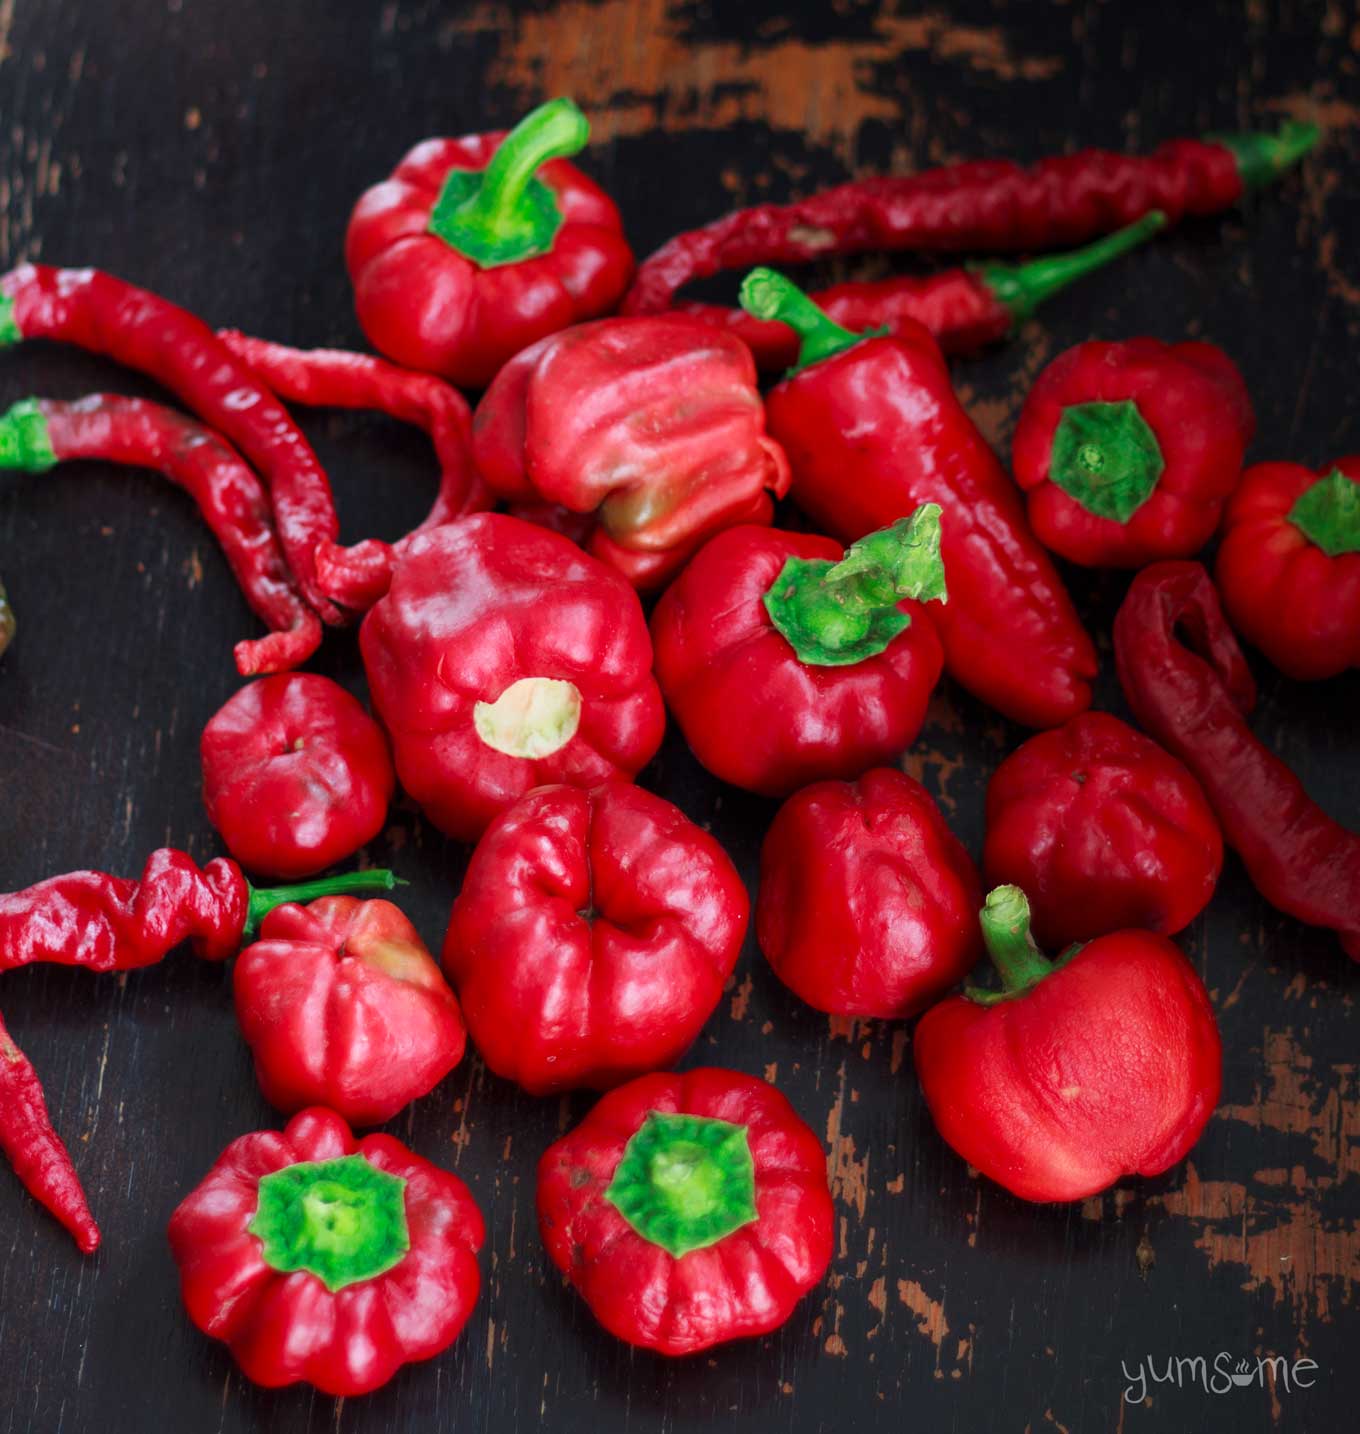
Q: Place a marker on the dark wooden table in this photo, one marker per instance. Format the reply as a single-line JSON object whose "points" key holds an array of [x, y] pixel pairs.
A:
{"points": [[211, 150]]}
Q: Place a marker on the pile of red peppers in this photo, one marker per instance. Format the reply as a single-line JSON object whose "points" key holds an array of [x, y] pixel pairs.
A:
{"points": [[624, 453]]}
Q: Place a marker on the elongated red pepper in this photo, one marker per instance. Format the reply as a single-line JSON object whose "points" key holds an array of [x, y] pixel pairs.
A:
{"points": [[1188, 684], [38, 433], [965, 309], [357, 576], [983, 205], [477, 247], [145, 332], [1289, 565], [872, 430]]}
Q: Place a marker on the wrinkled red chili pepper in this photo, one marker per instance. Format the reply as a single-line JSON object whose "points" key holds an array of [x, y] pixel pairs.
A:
{"points": [[143, 331], [1187, 682], [982, 205], [38, 433], [358, 575]]}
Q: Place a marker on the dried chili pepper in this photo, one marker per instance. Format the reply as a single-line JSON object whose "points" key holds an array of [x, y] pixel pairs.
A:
{"points": [[966, 309], [143, 331], [38, 433], [8, 626], [1187, 682], [982, 205], [357, 576]]}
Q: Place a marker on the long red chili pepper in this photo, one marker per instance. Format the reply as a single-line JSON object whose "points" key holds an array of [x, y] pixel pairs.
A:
{"points": [[983, 205], [1187, 682], [358, 576], [143, 331], [36, 434], [35, 1150]]}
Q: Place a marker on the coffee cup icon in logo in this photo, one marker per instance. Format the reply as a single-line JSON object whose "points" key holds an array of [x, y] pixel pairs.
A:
{"points": [[1243, 1374]]}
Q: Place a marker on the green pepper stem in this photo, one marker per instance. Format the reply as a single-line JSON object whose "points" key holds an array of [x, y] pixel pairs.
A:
{"points": [[1262, 158], [766, 294], [261, 901], [10, 332], [552, 131], [1005, 930], [1021, 288], [1328, 514], [25, 439]]}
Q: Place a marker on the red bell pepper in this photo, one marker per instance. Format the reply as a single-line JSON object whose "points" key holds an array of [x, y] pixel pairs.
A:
{"points": [[655, 425], [688, 1210], [317, 1258], [501, 658], [872, 429], [1129, 450], [342, 1005], [478, 247], [1103, 830], [1289, 565], [868, 902], [592, 936], [785, 660], [296, 775], [1077, 1072]]}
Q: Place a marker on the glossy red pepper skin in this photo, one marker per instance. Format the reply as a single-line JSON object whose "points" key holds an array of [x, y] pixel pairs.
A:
{"points": [[288, 1327], [744, 1284], [753, 713], [1103, 831], [1192, 399], [655, 424], [296, 775], [1188, 684], [868, 902], [1299, 604], [477, 606], [342, 1006], [592, 936]]}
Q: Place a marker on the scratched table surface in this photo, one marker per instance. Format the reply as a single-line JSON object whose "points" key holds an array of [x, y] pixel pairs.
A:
{"points": [[212, 150]]}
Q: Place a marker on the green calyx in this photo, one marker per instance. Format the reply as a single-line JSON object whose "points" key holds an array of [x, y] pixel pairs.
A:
{"points": [[1021, 288], [766, 294], [837, 614], [261, 901], [1005, 930], [341, 1220], [1328, 514], [1106, 457], [10, 332], [685, 1181], [25, 441], [503, 214], [1262, 158]]}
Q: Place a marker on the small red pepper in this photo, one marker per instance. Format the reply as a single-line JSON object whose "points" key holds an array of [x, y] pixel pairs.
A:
{"points": [[324, 1260], [477, 247], [786, 660], [342, 1005], [655, 424], [592, 936], [688, 1210], [38, 433], [872, 429], [1077, 1072], [1187, 682], [1289, 565], [1128, 451], [501, 658], [868, 902], [296, 775], [1103, 830]]}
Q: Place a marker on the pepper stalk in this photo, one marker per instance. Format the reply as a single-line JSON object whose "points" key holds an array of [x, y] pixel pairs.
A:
{"points": [[1005, 921], [260, 901]]}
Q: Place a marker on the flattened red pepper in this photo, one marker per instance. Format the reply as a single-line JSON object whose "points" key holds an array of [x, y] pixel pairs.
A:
{"points": [[1289, 565], [1103, 830], [317, 1258], [654, 424], [477, 247], [688, 1210], [868, 902], [592, 936], [1128, 451], [1077, 1072], [872, 429], [786, 660], [501, 658]]}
